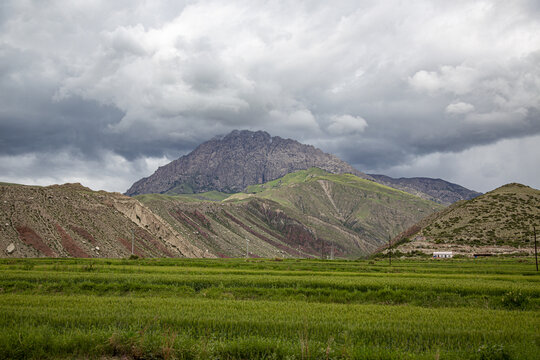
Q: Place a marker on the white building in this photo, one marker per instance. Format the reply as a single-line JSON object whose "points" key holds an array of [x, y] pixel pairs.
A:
{"points": [[442, 254]]}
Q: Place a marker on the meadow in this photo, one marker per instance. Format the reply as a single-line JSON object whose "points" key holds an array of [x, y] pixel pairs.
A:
{"points": [[269, 309]]}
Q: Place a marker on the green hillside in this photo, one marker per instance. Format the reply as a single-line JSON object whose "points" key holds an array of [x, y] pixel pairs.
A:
{"points": [[499, 221], [364, 206], [306, 213], [206, 196]]}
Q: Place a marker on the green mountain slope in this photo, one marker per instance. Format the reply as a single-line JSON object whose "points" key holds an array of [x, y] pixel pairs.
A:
{"points": [[497, 222], [306, 213]]}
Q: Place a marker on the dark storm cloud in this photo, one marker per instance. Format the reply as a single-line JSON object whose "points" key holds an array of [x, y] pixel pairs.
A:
{"points": [[382, 84], [33, 119]]}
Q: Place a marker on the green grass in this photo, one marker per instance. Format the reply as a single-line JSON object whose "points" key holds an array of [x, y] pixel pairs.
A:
{"points": [[269, 309], [314, 174], [296, 177], [292, 188], [206, 196], [6, 184]]}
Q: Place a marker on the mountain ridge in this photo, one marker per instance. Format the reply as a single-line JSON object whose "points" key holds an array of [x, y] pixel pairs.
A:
{"points": [[437, 190]]}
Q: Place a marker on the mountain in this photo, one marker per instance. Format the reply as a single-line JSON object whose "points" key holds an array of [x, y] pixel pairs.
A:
{"points": [[436, 190], [233, 162], [304, 213], [500, 221], [242, 158], [73, 221]]}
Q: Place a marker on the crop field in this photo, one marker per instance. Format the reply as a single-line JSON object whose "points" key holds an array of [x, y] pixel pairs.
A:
{"points": [[269, 309]]}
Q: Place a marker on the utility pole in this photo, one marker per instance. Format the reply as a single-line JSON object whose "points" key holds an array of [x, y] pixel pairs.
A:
{"points": [[315, 238], [132, 240], [332, 252], [247, 248], [535, 248], [390, 250]]}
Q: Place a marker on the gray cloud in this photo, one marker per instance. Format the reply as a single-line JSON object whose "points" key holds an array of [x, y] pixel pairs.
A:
{"points": [[483, 168], [383, 85]]}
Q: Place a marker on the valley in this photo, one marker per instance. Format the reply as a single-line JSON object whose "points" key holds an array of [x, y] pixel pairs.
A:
{"points": [[294, 267], [269, 180]]}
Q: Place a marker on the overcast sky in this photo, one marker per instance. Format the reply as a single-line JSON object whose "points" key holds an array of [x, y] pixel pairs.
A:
{"points": [[104, 92]]}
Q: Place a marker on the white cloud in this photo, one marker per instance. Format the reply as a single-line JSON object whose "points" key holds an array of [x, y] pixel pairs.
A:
{"points": [[459, 108], [458, 80], [347, 125], [426, 80], [127, 40], [497, 117]]}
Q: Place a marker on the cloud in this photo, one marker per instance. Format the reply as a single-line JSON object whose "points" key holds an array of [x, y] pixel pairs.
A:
{"points": [[482, 168], [109, 171], [140, 79], [458, 80], [459, 108], [347, 125], [127, 40]]}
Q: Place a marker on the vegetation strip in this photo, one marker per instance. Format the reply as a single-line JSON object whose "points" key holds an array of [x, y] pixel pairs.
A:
{"points": [[265, 309]]}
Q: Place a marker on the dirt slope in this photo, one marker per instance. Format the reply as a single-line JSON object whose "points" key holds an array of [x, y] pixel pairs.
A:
{"points": [[73, 221]]}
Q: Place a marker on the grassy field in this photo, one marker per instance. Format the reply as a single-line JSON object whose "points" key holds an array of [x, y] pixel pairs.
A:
{"points": [[269, 309]]}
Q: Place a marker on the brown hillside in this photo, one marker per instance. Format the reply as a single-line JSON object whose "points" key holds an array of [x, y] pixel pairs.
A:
{"points": [[73, 221], [500, 221]]}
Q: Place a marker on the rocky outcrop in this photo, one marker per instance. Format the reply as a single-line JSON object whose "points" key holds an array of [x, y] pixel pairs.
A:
{"points": [[239, 159], [146, 219], [10, 249], [436, 190]]}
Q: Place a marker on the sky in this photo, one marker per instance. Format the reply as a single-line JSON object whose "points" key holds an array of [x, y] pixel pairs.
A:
{"points": [[104, 92]]}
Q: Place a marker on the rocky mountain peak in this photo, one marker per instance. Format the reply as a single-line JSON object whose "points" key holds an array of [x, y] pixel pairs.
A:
{"points": [[241, 158], [243, 134]]}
